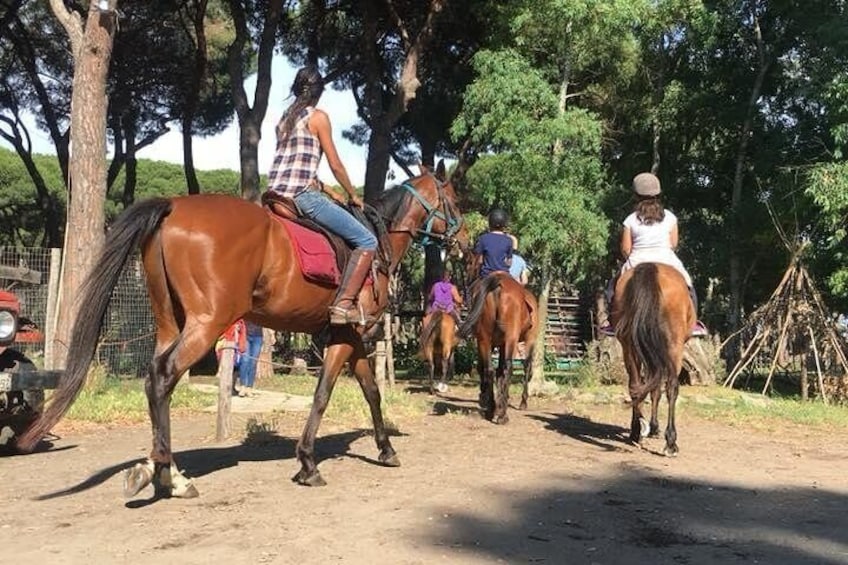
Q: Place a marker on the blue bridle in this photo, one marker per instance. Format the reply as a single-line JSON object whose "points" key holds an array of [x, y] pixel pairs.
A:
{"points": [[452, 222]]}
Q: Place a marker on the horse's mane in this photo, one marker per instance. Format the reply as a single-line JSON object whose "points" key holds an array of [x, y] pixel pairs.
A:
{"points": [[393, 203]]}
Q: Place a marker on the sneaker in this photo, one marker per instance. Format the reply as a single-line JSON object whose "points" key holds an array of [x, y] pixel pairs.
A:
{"points": [[607, 329], [699, 329]]}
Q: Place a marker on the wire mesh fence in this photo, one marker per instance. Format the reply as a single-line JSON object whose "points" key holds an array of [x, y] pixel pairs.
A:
{"points": [[126, 341]]}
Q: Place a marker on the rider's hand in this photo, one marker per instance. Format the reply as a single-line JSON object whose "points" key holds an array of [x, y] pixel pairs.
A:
{"points": [[337, 197], [355, 201]]}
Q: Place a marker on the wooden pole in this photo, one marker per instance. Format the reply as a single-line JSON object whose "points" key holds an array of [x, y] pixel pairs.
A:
{"points": [[390, 349], [805, 383], [777, 351], [53, 280], [225, 391], [380, 366], [818, 365]]}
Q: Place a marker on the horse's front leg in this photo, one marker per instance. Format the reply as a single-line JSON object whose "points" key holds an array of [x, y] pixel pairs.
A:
{"points": [[362, 370], [527, 366], [337, 353]]}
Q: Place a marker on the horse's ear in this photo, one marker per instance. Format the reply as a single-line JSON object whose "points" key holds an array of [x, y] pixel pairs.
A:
{"points": [[440, 171]]}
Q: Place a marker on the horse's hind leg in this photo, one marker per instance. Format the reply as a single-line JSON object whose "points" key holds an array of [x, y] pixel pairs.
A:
{"points": [[671, 388], [638, 425], [503, 378], [362, 369], [654, 430], [527, 366], [165, 372]]}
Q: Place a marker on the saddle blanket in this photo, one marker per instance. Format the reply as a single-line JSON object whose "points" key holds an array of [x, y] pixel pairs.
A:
{"points": [[315, 255]]}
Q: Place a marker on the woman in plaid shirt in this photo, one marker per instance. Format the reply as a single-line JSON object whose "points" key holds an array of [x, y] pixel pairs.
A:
{"points": [[303, 135]]}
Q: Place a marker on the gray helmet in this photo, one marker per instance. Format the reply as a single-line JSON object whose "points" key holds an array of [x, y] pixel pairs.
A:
{"points": [[646, 184], [498, 219]]}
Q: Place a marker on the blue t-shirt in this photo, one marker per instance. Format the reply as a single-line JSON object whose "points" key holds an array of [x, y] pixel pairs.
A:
{"points": [[518, 265], [496, 249]]}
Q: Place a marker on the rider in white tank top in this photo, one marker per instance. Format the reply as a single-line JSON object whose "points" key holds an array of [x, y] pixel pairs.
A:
{"points": [[651, 243]]}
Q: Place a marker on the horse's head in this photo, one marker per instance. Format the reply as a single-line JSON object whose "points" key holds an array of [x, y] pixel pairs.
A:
{"points": [[431, 213]]}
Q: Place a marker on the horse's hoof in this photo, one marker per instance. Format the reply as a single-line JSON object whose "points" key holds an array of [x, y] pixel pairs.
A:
{"points": [[501, 420], [188, 491], [309, 479], [670, 451], [136, 478], [636, 443], [390, 460]]}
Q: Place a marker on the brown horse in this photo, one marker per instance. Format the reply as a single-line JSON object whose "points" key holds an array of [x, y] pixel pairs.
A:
{"points": [[438, 339], [652, 316], [211, 259], [502, 314]]}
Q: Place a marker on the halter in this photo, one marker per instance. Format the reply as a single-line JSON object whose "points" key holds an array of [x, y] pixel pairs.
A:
{"points": [[452, 223]]}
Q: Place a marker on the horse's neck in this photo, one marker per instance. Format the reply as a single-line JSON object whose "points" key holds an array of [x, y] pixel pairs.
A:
{"points": [[400, 242]]}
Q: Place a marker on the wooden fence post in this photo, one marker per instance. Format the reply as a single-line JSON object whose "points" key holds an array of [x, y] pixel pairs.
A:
{"points": [[225, 390], [52, 305]]}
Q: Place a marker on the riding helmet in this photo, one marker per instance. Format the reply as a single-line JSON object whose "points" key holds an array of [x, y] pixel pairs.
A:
{"points": [[646, 184], [498, 219]]}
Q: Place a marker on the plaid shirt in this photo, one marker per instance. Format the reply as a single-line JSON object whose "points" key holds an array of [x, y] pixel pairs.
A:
{"points": [[297, 158]]}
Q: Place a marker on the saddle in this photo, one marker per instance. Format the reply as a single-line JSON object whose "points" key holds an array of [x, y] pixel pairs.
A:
{"points": [[322, 255]]}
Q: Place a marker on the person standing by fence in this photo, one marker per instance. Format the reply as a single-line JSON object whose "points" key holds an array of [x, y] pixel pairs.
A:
{"points": [[247, 371]]}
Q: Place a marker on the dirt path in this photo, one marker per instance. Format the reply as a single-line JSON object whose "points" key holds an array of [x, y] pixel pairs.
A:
{"points": [[553, 486]]}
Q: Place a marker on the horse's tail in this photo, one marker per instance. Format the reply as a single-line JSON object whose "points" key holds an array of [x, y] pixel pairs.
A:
{"points": [[486, 286], [643, 324], [132, 228], [428, 330]]}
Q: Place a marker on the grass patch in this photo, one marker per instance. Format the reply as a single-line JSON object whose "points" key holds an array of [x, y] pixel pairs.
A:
{"points": [[738, 408], [111, 399]]}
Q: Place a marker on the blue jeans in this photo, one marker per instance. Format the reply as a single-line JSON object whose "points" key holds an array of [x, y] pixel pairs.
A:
{"points": [[247, 367], [330, 215]]}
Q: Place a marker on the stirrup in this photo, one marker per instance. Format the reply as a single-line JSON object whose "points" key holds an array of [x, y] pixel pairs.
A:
{"points": [[340, 316]]}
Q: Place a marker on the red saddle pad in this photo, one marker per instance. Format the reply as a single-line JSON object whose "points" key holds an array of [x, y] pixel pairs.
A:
{"points": [[315, 256]]}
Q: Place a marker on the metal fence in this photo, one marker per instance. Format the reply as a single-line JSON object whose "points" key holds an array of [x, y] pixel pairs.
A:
{"points": [[126, 343]]}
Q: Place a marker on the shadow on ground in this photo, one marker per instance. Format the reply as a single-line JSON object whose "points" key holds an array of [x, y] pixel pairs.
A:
{"points": [[203, 461], [641, 517]]}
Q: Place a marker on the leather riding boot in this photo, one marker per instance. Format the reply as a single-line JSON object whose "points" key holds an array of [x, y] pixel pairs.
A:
{"points": [[344, 311]]}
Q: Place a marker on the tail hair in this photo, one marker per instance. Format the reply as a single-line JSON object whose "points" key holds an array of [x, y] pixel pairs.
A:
{"points": [[486, 286], [642, 323], [134, 226]]}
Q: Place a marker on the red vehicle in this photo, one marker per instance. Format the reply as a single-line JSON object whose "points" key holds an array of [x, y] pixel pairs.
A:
{"points": [[22, 385]]}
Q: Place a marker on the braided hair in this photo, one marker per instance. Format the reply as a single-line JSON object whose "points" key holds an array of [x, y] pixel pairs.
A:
{"points": [[307, 87]]}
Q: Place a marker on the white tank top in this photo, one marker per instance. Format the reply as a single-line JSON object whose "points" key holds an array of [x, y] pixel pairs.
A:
{"points": [[654, 236]]}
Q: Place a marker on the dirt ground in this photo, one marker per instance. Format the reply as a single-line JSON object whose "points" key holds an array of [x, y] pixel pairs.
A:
{"points": [[559, 484]]}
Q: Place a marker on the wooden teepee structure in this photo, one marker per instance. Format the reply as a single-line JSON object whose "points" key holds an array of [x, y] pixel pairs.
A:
{"points": [[794, 321]]}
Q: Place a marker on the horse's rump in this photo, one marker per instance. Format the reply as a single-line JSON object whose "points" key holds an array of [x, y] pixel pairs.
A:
{"points": [[653, 315]]}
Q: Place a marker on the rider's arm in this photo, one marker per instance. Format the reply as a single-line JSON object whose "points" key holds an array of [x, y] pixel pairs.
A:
{"points": [[457, 299], [626, 242], [674, 236], [319, 124]]}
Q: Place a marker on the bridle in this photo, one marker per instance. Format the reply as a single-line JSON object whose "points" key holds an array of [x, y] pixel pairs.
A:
{"points": [[444, 210]]}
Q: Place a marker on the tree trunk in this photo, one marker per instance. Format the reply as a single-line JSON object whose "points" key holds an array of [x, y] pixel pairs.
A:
{"points": [[131, 167], [538, 384], [84, 236], [736, 277], [250, 119], [188, 157]]}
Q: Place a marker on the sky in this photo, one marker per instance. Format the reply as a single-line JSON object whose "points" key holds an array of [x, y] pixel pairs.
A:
{"points": [[222, 151]]}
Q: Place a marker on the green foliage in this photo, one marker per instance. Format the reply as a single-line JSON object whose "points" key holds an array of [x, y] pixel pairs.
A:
{"points": [[541, 164]]}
